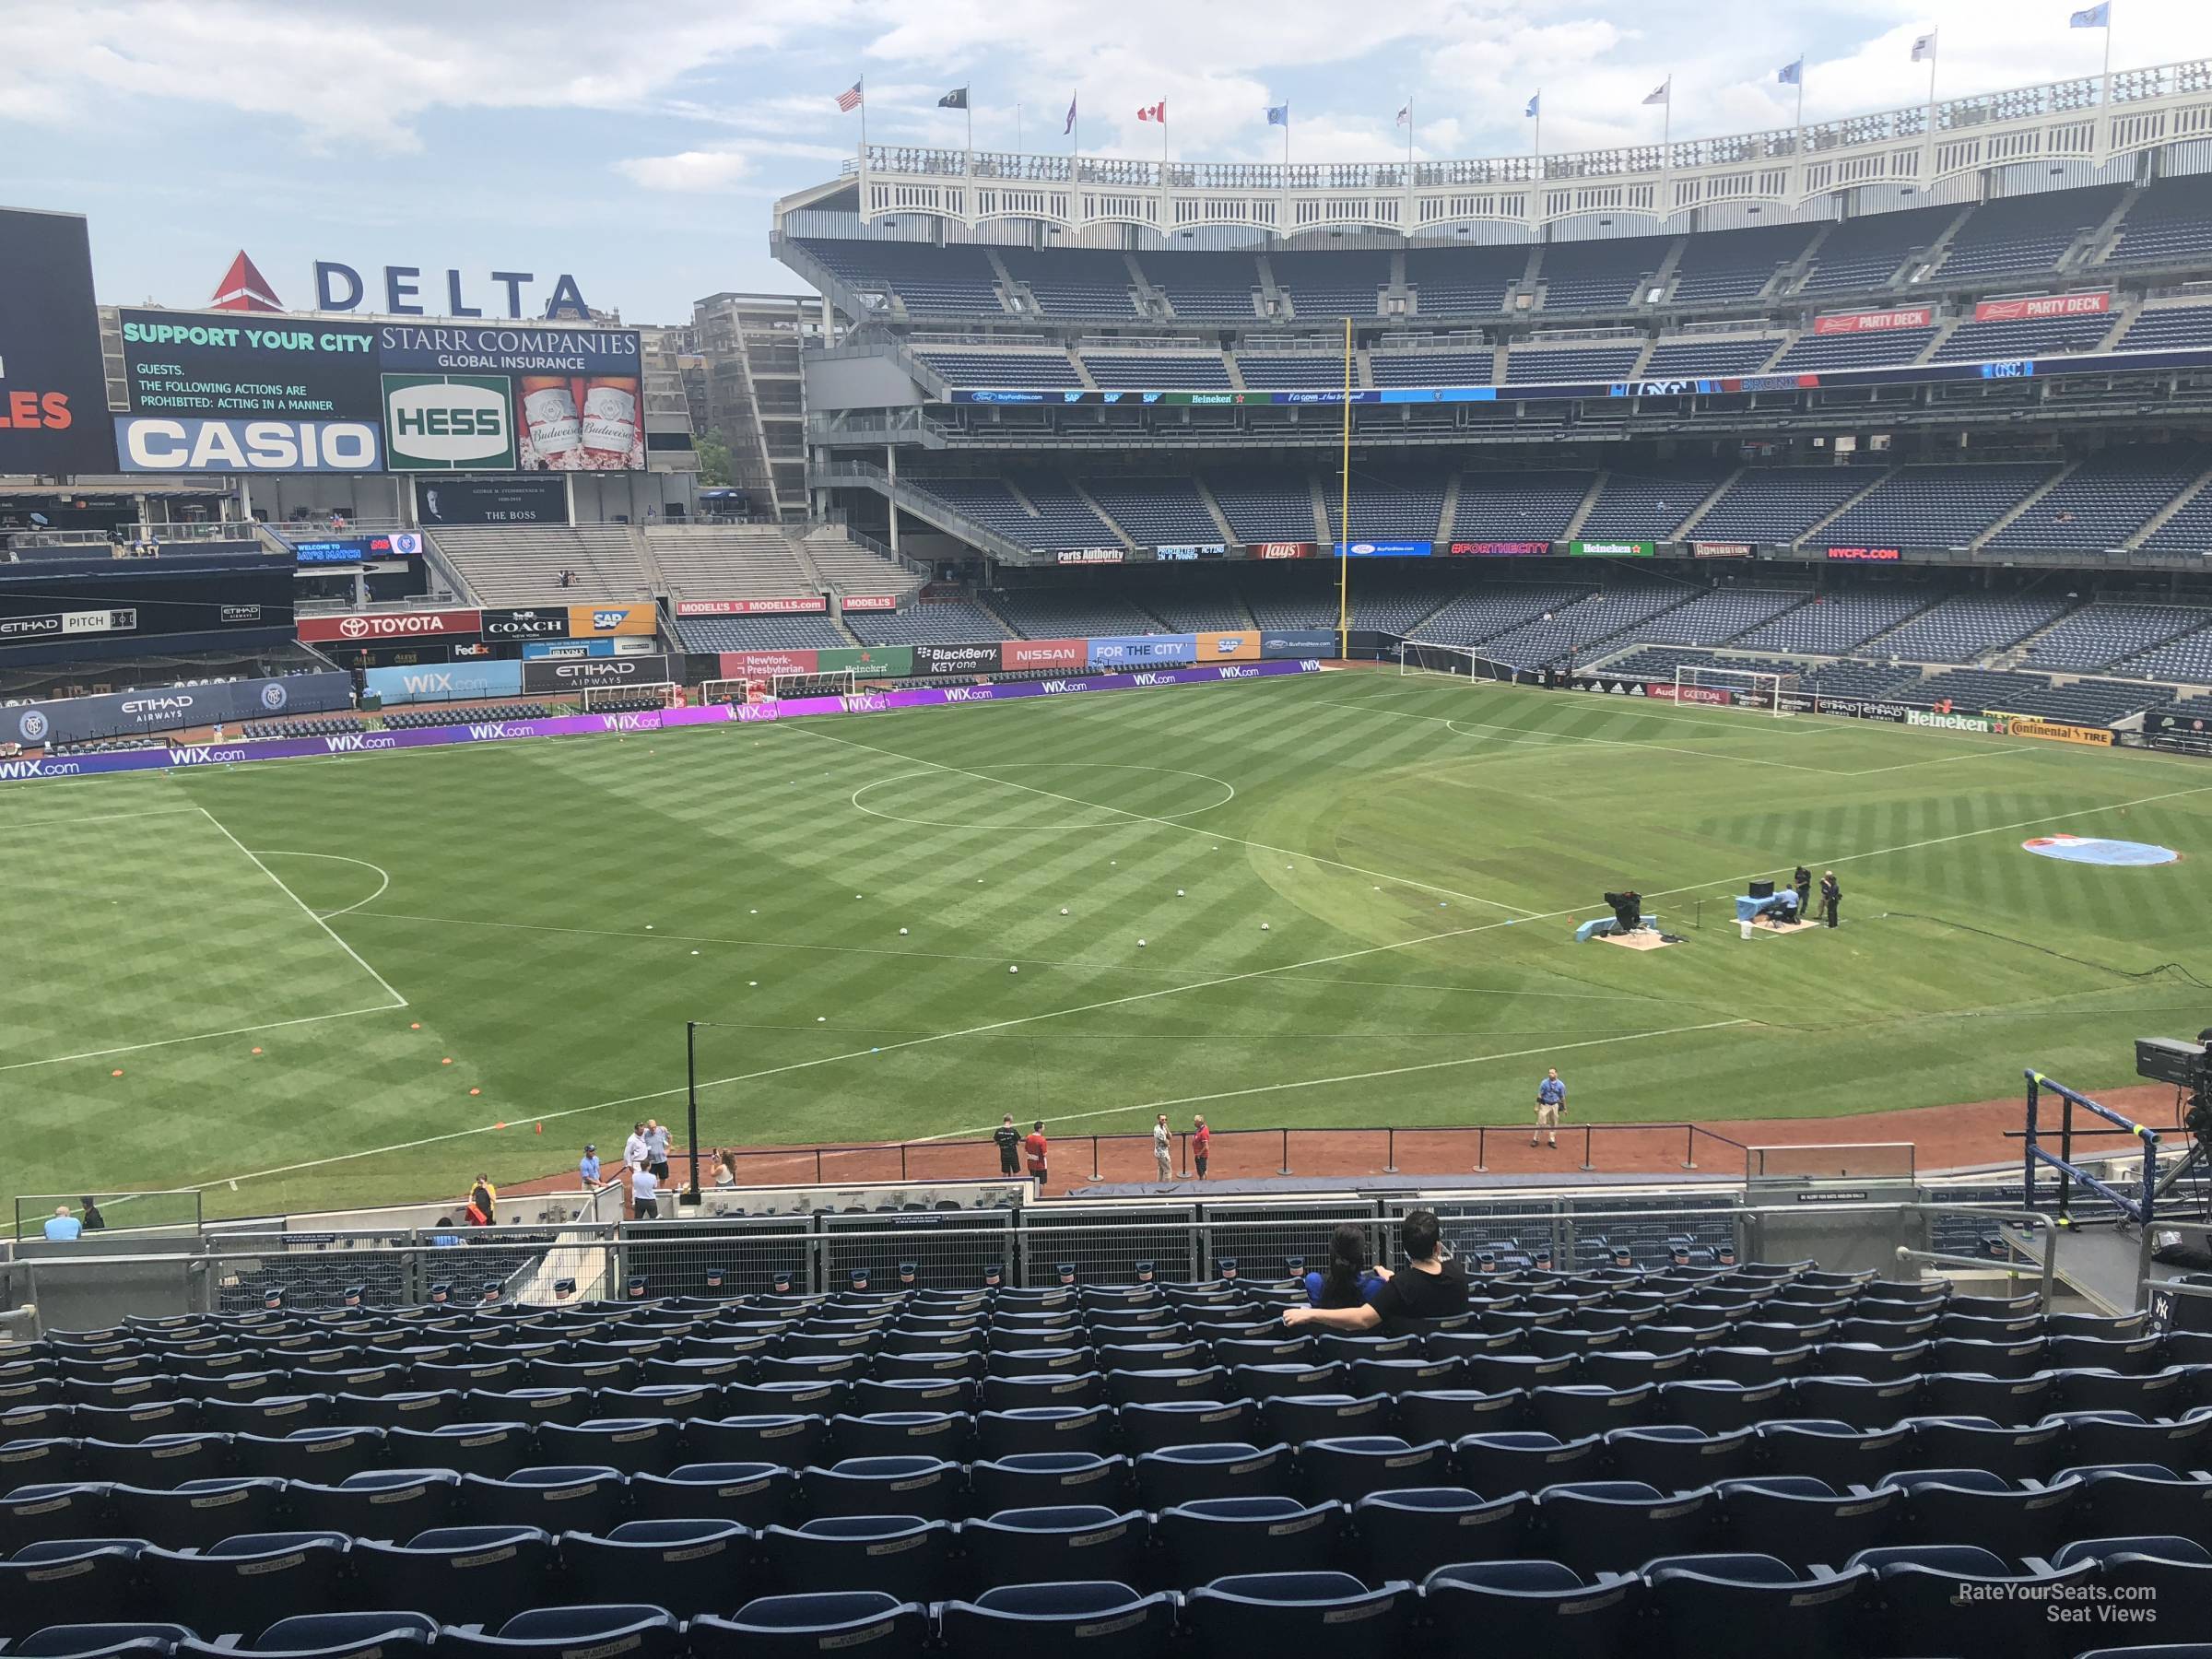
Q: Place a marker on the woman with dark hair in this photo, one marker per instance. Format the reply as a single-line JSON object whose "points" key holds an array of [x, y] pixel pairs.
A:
{"points": [[1429, 1286], [1344, 1281]]}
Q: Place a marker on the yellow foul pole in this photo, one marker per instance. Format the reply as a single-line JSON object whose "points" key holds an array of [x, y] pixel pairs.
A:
{"points": [[1344, 517]]}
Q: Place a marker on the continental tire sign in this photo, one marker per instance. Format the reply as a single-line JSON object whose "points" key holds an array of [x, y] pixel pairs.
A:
{"points": [[2057, 731]]}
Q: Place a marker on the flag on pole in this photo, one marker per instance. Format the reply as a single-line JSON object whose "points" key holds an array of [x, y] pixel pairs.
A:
{"points": [[1535, 103], [1406, 116], [1923, 47], [1278, 114], [849, 100], [1071, 115], [1662, 94], [1157, 112], [1791, 75], [955, 100], [2095, 17]]}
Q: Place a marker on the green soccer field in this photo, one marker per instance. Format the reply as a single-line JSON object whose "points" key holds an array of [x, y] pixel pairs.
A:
{"points": [[1355, 893]]}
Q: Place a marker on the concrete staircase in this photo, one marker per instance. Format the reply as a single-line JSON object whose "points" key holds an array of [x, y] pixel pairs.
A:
{"points": [[1819, 524], [1705, 506], [1588, 504], [2024, 504]]}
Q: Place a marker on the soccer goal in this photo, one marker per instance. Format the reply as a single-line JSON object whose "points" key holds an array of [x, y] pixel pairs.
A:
{"points": [[1425, 656], [1763, 689]]}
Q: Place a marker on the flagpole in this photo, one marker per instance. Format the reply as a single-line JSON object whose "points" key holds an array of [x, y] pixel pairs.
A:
{"points": [[863, 84], [1018, 129], [1539, 124], [967, 109], [1409, 137]]}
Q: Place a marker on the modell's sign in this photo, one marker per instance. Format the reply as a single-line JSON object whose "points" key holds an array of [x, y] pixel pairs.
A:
{"points": [[753, 608], [868, 602], [2043, 305], [1905, 317], [390, 625]]}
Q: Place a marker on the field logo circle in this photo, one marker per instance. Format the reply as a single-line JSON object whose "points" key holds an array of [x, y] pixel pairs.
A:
{"points": [[2092, 850]]}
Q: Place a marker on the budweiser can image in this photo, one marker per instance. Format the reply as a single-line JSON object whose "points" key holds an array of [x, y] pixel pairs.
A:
{"points": [[549, 419], [610, 422]]}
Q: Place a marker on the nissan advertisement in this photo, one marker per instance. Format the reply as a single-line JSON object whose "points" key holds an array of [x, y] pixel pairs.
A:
{"points": [[54, 394]]}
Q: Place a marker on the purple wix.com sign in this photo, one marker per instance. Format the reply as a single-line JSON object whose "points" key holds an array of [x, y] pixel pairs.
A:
{"points": [[657, 720]]}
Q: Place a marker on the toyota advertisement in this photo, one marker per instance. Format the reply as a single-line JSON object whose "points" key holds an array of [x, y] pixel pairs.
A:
{"points": [[372, 627], [54, 396]]}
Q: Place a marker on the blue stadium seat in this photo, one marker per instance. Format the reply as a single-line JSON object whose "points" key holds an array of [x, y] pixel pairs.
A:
{"points": [[1804, 1520], [634, 1630], [1720, 1407], [1532, 1606], [158, 1461], [1347, 1468], [481, 1574], [1302, 1612], [1676, 1459], [1833, 1450], [370, 1635], [1967, 1443], [1213, 1537], [101, 1641], [574, 1497], [1043, 1429], [688, 1567], [1423, 1528], [1974, 1506], [2144, 1496], [1517, 1461], [1049, 1545], [245, 1584], [1154, 1426], [866, 1623], [58, 1580], [1615, 1524], [1749, 1606], [751, 1494], [197, 1513], [1089, 1619], [1032, 1479], [2000, 1399], [1953, 1598], [901, 1555], [791, 1439], [1218, 1469], [2123, 1437], [490, 1450]]}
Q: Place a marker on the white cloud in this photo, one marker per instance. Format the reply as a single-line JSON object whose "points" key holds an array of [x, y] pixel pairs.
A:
{"points": [[696, 169]]}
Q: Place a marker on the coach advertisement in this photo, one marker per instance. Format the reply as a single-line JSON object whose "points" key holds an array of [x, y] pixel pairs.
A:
{"points": [[1243, 646], [445, 682], [548, 622], [979, 658], [171, 708], [1070, 654], [1277, 644], [577, 674], [1142, 651], [53, 392]]}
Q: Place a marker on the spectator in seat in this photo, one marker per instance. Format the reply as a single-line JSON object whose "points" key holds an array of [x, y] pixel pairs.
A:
{"points": [[1345, 1281], [1428, 1287], [725, 1168], [444, 1238], [93, 1221], [61, 1227]]}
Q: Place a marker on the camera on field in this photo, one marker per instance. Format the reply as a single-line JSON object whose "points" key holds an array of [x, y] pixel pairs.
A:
{"points": [[2185, 1066]]}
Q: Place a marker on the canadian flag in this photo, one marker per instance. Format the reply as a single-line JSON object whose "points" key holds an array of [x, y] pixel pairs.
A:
{"points": [[1157, 112]]}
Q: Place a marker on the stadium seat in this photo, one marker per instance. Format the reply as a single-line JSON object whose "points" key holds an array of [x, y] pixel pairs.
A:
{"points": [[346, 1635], [1094, 1620], [55, 1581], [1721, 1407], [901, 1555], [751, 1494], [2123, 1437], [1051, 1544], [1836, 1452], [1212, 1538], [482, 1574], [638, 1631], [1524, 1461], [1953, 1598], [1302, 1612], [2144, 1496], [101, 1641], [1745, 1606], [1219, 1469], [1803, 1521], [1613, 1524], [1035, 1480], [196, 1513], [243, 1584], [791, 1439], [1974, 1505], [577, 1497], [1676, 1459], [1532, 1606], [1154, 1426], [2169, 1577], [490, 1450], [1043, 1429], [1422, 1528], [805, 1626], [688, 1567]]}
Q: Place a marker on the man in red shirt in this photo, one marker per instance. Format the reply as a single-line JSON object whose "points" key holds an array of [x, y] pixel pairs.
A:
{"points": [[1202, 1143], [1035, 1146]]}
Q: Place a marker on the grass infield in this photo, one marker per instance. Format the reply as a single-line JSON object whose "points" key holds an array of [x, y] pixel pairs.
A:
{"points": [[1355, 894]]}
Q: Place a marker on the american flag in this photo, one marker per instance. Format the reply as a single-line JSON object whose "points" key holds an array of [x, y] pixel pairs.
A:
{"points": [[849, 100]]}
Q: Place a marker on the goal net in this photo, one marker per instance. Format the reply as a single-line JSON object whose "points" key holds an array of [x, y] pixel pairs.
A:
{"points": [[834, 682], [1425, 656], [1760, 689]]}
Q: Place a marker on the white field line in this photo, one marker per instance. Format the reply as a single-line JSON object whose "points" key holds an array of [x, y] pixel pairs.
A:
{"points": [[397, 1001], [105, 818], [1143, 817], [1001, 1025], [339, 858], [134, 1048]]}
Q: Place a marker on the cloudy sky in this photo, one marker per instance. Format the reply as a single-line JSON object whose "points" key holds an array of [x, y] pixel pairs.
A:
{"points": [[638, 148]]}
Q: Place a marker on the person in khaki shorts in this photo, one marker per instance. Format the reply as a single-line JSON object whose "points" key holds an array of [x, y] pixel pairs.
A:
{"points": [[1551, 1099]]}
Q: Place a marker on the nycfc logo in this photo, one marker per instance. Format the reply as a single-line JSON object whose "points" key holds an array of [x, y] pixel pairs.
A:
{"points": [[273, 696], [33, 727]]}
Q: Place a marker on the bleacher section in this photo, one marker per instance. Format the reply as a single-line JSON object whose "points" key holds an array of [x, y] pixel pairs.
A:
{"points": [[1495, 609], [953, 280], [1646, 507], [1735, 264], [2169, 223], [1287, 372], [1833, 623], [1432, 367], [2092, 702], [1518, 506], [1265, 506], [1073, 282], [1610, 613], [1345, 284], [1199, 598], [1866, 252], [1981, 342], [2158, 327], [1024, 370], [1206, 287], [1386, 507], [850, 568], [1693, 355], [739, 561], [2187, 660], [1060, 518], [1537, 365], [2104, 500], [946, 621], [1720, 614], [1155, 512], [518, 566], [1601, 275], [1779, 504], [2104, 632], [1934, 506], [1156, 370], [2025, 233], [1070, 613], [1878, 349], [1463, 282], [759, 634], [1967, 626]]}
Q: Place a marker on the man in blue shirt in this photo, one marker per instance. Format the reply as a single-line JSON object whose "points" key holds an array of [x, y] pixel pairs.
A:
{"points": [[1551, 1097], [64, 1226], [587, 1166]]}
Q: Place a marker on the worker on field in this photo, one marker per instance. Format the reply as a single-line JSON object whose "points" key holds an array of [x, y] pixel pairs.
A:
{"points": [[1832, 897], [1803, 882], [1551, 1099], [1008, 1139]]}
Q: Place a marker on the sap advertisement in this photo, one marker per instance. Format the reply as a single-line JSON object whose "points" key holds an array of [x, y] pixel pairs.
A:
{"points": [[53, 393], [445, 682], [226, 392], [1142, 651]]}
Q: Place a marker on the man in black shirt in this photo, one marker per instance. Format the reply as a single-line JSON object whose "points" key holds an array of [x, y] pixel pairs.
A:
{"points": [[1832, 897], [1426, 1288], [1009, 1146]]}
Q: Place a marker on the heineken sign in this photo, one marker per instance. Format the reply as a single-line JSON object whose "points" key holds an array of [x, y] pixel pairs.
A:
{"points": [[1610, 549], [448, 423]]}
